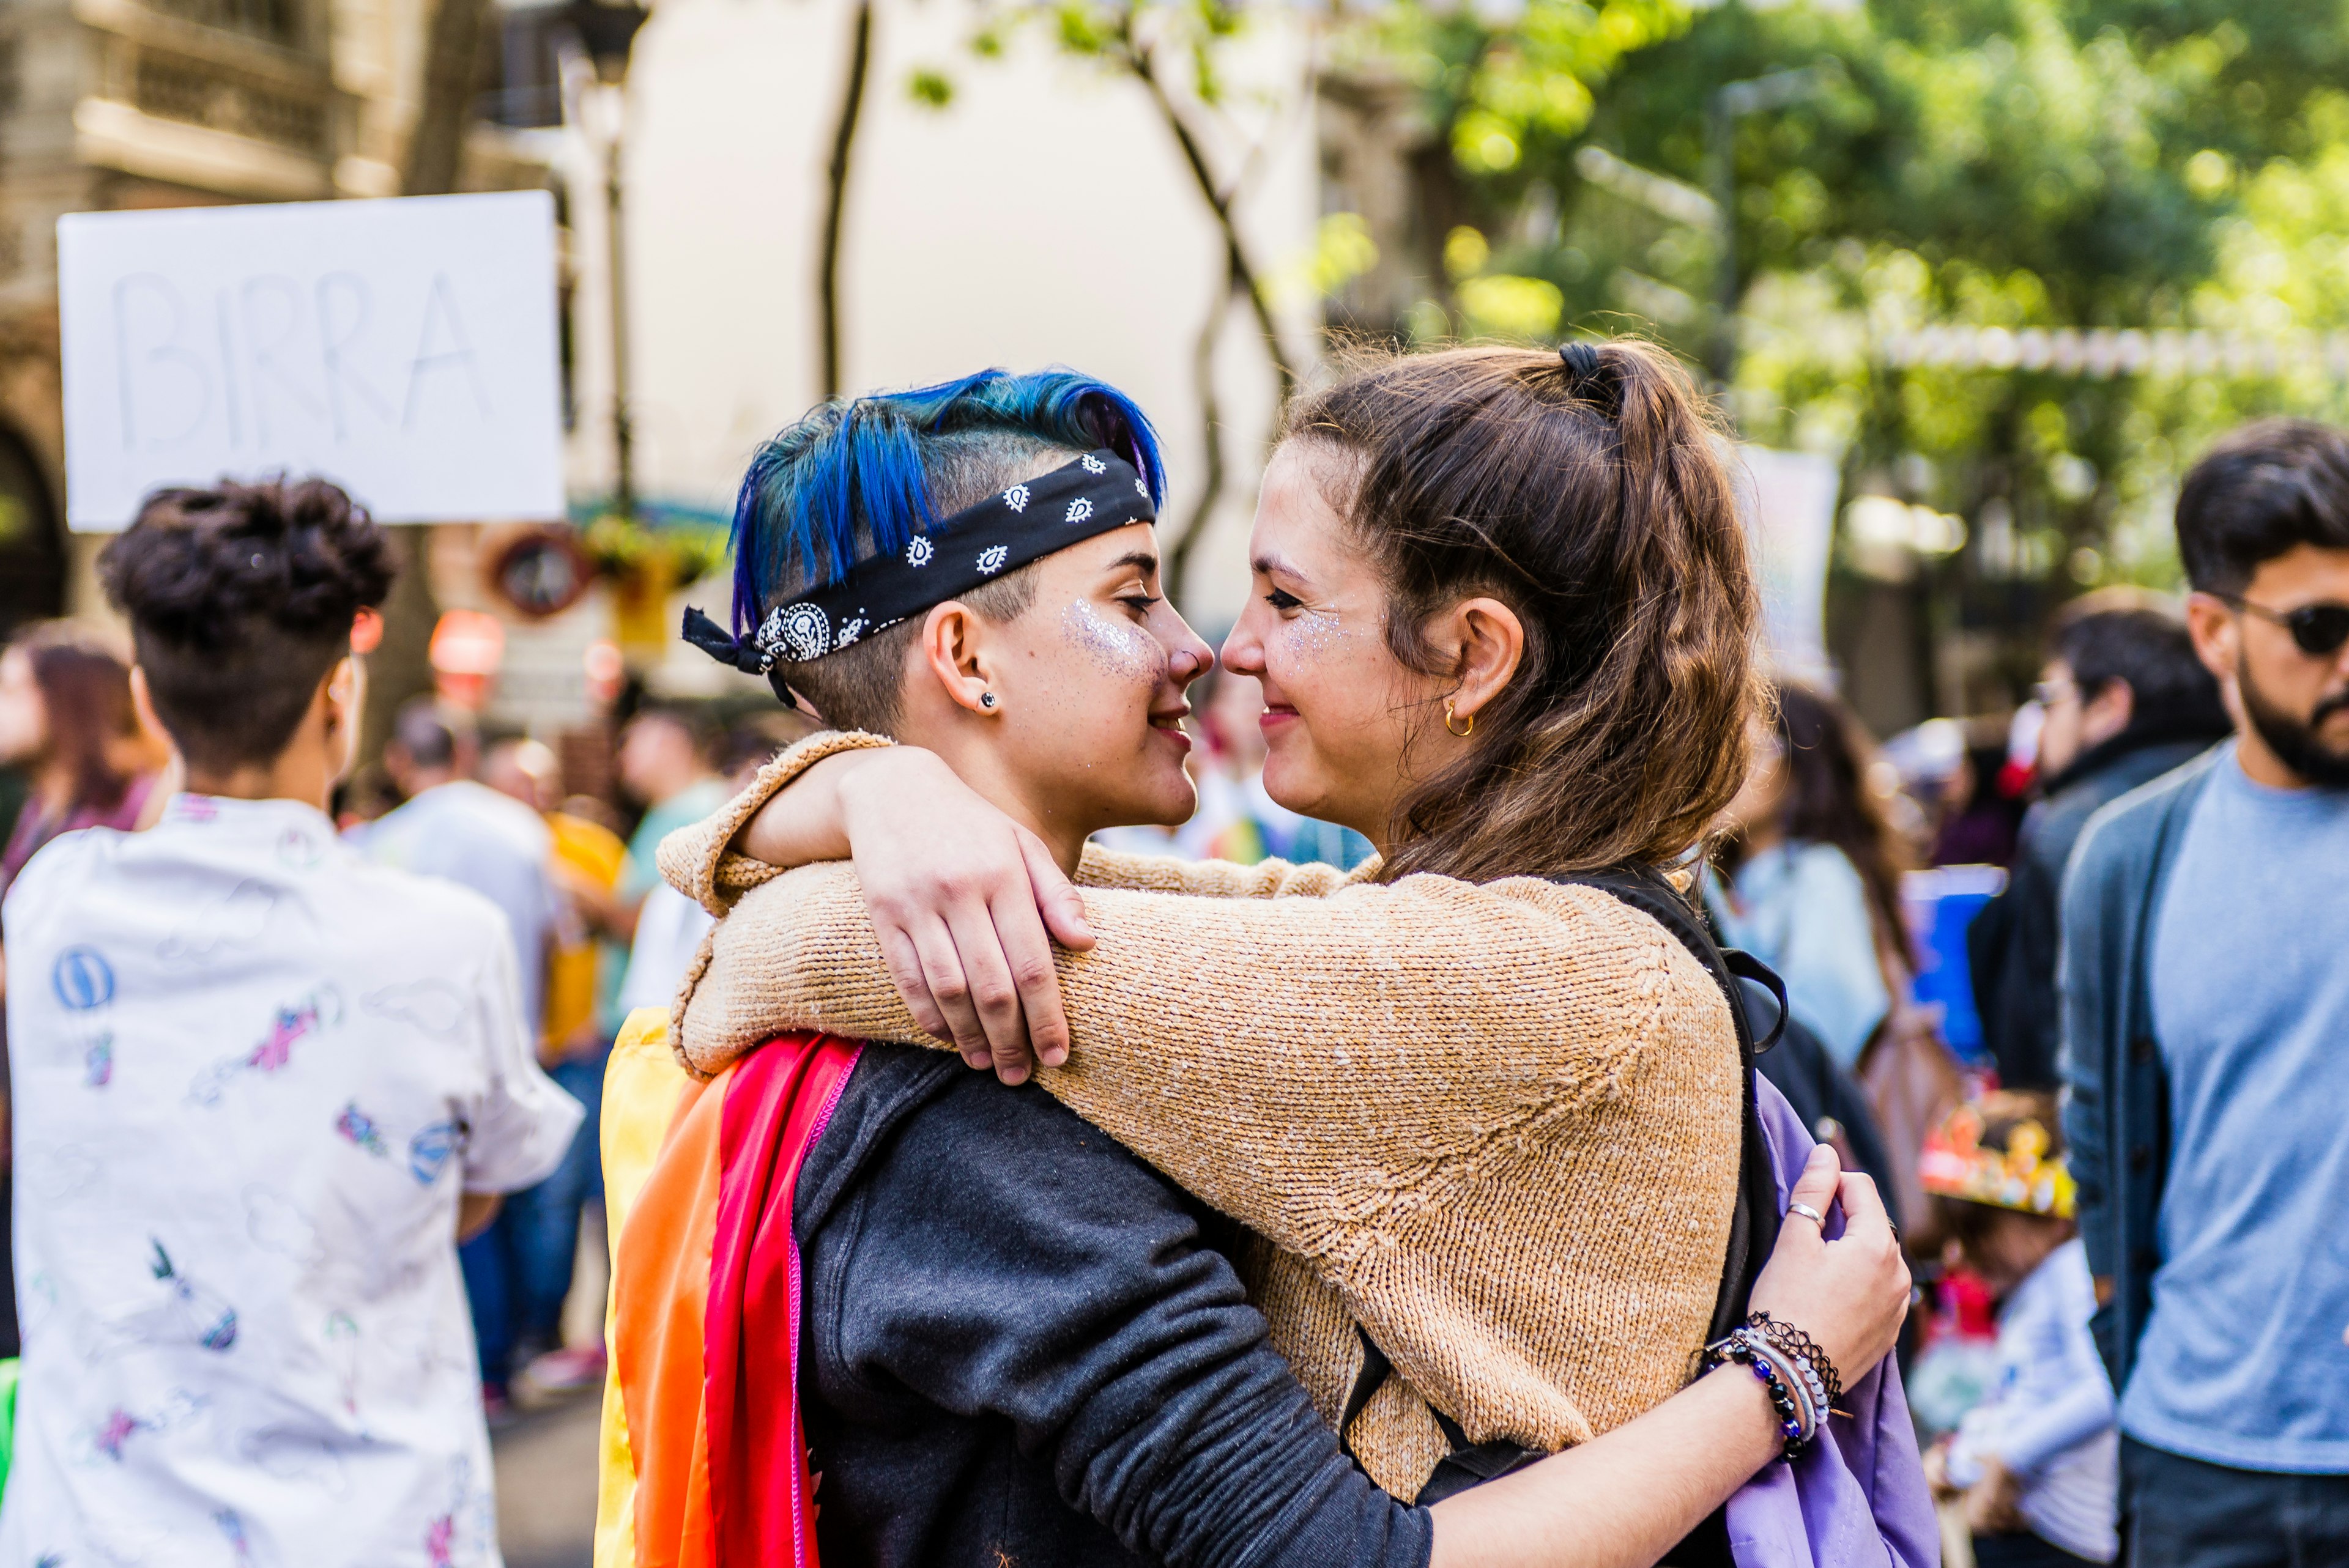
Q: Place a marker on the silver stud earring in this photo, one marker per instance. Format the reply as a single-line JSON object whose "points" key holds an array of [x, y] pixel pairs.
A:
{"points": [[986, 700]]}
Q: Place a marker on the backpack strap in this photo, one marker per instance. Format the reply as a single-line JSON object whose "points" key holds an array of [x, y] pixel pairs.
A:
{"points": [[1758, 1010], [1755, 994]]}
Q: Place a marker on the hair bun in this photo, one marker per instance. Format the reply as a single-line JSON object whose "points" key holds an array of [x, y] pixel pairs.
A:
{"points": [[1589, 377]]}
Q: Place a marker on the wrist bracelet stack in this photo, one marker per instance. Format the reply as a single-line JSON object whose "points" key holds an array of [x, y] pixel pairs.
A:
{"points": [[1801, 1381], [1802, 1349]]}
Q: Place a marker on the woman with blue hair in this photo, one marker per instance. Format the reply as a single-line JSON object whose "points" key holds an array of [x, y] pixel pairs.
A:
{"points": [[1484, 1127]]}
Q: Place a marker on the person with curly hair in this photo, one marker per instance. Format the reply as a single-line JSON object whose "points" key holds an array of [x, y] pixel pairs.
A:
{"points": [[262, 1085]]}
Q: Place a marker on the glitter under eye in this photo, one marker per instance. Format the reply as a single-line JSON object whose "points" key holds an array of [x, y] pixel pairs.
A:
{"points": [[1314, 634], [1124, 651]]}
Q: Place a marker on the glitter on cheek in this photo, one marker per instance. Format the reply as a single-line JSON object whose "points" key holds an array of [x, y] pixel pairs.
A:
{"points": [[1314, 635], [1126, 652]]}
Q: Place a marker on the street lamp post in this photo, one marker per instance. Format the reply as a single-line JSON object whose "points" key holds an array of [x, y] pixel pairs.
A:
{"points": [[1730, 103], [606, 31]]}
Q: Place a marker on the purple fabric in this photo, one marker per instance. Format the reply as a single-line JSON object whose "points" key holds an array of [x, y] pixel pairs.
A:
{"points": [[1860, 1498]]}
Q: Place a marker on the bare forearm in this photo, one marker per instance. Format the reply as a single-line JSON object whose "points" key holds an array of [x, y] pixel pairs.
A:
{"points": [[602, 909], [1623, 1499], [803, 824], [689, 858], [474, 1212], [620, 925]]}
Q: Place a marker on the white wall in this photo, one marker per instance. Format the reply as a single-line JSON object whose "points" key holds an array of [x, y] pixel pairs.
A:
{"points": [[1044, 217]]}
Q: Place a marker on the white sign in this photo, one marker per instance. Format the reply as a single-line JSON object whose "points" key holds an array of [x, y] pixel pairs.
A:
{"points": [[405, 349], [1788, 500]]}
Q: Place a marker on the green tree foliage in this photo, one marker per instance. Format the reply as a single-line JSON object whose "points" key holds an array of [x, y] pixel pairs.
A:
{"points": [[2148, 164]]}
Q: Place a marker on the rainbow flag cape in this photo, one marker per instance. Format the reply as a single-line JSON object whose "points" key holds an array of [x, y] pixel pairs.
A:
{"points": [[704, 1460]]}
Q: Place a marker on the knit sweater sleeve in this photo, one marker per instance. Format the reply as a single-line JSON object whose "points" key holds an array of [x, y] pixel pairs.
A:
{"points": [[1318, 1068], [1212, 879], [696, 860]]}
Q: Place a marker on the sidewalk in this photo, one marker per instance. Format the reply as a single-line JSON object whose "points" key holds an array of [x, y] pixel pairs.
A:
{"points": [[546, 1486]]}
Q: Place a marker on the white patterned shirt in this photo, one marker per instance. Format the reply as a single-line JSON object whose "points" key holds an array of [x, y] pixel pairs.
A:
{"points": [[251, 1074]]}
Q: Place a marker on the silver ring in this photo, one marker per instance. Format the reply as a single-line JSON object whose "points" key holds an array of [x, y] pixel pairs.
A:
{"points": [[1807, 1211]]}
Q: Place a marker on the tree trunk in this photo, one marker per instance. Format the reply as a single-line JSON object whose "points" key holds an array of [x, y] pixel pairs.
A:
{"points": [[452, 79], [1239, 277], [844, 144], [1219, 206], [1186, 541], [401, 666]]}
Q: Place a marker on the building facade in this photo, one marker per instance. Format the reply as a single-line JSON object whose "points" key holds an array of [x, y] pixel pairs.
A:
{"points": [[109, 105]]}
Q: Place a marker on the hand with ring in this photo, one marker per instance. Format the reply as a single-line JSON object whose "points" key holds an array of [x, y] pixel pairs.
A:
{"points": [[1850, 1295]]}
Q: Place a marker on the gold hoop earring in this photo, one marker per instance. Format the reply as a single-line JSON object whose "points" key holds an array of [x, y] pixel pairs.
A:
{"points": [[1462, 734]]}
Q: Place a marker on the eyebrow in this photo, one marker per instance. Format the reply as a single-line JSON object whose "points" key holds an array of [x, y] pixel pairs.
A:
{"points": [[1268, 564], [1142, 559]]}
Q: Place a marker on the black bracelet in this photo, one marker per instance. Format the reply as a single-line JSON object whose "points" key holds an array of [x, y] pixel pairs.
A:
{"points": [[1797, 1346], [1739, 1348]]}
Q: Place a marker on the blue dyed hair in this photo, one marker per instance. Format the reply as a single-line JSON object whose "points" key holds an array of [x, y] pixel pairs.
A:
{"points": [[858, 478]]}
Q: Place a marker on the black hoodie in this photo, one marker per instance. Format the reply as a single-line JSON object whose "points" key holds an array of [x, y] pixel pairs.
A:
{"points": [[1021, 1347]]}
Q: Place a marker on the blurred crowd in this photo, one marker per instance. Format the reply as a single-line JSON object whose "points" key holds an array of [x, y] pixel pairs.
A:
{"points": [[1908, 896]]}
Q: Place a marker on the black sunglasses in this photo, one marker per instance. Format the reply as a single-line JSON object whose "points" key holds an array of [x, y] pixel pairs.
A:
{"points": [[2317, 629]]}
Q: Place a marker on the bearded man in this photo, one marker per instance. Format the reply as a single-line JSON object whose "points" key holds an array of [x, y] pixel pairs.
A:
{"points": [[2205, 1005]]}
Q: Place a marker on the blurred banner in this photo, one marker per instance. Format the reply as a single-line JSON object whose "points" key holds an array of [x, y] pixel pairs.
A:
{"points": [[405, 349], [1788, 503], [1940, 906]]}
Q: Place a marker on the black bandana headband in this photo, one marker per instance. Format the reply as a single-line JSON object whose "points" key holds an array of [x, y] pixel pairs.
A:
{"points": [[1096, 493]]}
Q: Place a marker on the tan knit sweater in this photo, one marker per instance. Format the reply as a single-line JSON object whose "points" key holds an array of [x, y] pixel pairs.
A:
{"points": [[1495, 1125]]}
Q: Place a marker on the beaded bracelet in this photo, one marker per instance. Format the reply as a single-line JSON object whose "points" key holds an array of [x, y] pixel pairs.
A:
{"points": [[1798, 1416], [1806, 1381], [1799, 1346]]}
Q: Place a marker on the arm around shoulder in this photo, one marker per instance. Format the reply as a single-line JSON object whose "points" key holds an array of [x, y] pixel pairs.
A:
{"points": [[1379, 1029], [702, 860]]}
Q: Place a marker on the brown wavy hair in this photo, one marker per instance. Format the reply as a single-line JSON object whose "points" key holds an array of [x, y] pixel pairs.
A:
{"points": [[1585, 490], [85, 696], [1828, 801]]}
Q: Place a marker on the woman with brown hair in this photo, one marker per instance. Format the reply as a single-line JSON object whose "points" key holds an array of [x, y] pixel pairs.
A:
{"points": [[1483, 1117], [1813, 870], [1812, 867], [68, 723]]}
